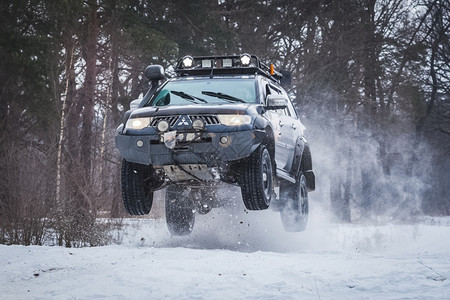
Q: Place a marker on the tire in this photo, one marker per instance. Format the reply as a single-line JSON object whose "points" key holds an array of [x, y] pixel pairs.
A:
{"points": [[137, 194], [203, 199], [180, 212], [257, 180], [295, 207]]}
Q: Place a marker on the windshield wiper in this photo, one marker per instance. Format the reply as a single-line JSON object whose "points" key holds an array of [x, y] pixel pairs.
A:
{"points": [[188, 97], [223, 96]]}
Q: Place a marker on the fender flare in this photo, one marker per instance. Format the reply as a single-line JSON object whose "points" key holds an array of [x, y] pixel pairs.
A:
{"points": [[298, 153], [303, 162], [263, 124]]}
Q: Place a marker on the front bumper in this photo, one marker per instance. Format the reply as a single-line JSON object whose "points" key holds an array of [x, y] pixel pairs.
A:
{"points": [[148, 149]]}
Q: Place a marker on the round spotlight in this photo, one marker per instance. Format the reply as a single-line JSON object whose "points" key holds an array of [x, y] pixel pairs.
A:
{"points": [[188, 61], [162, 126], [139, 143], [224, 139], [198, 124], [245, 59], [190, 137]]}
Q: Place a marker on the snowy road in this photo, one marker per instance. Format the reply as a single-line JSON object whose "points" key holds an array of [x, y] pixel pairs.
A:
{"points": [[241, 256]]}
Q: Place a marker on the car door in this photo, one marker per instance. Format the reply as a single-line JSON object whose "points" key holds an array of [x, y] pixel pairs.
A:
{"points": [[288, 137], [282, 130], [295, 132]]}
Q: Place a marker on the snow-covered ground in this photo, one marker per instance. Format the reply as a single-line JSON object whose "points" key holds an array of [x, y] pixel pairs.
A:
{"points": [[241, 255]]}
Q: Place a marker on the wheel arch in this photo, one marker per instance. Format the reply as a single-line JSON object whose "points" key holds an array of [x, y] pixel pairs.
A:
{"points": [[307, 169], [269, 142], [303, 163]]}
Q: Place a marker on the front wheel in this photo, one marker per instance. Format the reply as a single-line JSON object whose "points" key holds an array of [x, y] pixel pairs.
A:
{"points": [[295, 209], [180, 212], [137, 194], [257, 180]]}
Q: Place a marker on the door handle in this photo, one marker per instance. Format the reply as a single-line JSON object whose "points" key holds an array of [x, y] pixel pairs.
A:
{"points": [[294, 127]]}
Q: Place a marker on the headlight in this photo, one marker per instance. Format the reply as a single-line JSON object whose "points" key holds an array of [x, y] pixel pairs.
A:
{"points": [[138, 123], [234, 120]]}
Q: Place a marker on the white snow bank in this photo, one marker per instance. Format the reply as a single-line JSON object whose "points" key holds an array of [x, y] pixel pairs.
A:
{"points": [[240, 256]]}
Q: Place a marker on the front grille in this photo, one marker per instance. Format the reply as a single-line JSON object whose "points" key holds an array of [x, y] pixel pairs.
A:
{"points": [[170, 119], [208, 119]]}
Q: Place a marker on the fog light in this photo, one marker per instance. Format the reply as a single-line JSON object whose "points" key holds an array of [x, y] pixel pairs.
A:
{"points": [[162, 126], [190, 137], [140, 143], [198, 124], [224, 140]]}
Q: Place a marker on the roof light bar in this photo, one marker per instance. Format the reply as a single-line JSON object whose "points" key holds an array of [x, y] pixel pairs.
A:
{"points": [[206, 63], [188, 61], [245, 59], [225, 64]]}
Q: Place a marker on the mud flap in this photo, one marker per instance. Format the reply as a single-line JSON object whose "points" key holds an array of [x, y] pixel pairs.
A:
{"points": [[310, 180]]}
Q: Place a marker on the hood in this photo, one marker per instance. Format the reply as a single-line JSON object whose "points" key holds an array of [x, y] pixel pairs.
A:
{"points": [[190, 110]]}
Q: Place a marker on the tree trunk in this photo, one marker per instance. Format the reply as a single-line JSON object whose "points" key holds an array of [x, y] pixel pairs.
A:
{"points": [[116, 196], [69, 68], [370, 59], [89, 91]]}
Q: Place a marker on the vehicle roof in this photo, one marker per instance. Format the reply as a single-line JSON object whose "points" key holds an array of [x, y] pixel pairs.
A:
{"points": [[219, 76], [226, 65]]}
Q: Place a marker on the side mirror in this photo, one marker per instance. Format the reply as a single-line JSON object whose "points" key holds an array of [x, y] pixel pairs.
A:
{"points": [[276, 102], [286, 79], [134, 104], [154, 73]]}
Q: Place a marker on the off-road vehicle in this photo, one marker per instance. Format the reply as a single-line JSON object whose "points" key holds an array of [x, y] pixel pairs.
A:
{"points": [[220, 119]]}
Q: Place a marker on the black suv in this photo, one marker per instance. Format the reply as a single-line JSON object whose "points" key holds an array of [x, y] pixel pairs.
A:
{"points": [[220, 119]]}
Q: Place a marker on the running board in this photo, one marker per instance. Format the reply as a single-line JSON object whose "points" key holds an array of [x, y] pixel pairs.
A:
{"points": [[285, 175]]}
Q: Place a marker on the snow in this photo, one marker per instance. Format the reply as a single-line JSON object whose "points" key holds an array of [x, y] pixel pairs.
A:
{"points": [[241, 255]]}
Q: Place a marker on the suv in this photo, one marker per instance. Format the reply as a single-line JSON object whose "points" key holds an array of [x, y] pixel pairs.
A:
{"points": [[220, 119]]}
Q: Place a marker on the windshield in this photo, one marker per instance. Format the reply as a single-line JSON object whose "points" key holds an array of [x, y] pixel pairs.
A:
{"points": [[202, 91]]}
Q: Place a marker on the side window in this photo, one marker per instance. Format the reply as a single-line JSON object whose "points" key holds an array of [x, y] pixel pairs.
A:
{"points": [[267, 92], [274, 91], [291, 110]]}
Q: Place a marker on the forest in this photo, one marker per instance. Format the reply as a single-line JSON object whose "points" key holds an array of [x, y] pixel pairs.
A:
{"points": [[369, 78]]}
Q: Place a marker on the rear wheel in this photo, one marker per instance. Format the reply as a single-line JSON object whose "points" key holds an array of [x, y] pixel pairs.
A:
{"points": [[295, 209], [257, 180], [180, 212], [203, 199], [137, 194]]}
